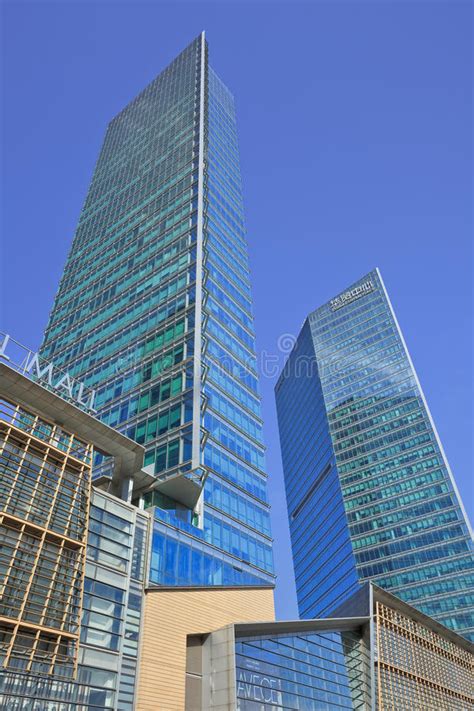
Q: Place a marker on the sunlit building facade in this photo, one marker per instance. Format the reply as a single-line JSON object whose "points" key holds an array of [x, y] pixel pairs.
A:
{"points": [[369, 489], [154, 313]]}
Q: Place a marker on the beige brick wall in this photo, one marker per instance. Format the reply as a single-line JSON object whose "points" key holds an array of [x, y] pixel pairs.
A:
{"points": [[169, 616]]}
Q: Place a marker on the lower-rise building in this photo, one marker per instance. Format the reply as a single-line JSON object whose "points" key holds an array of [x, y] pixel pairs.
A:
{"points": [[106, 663], [72, 557], [375, 652]]}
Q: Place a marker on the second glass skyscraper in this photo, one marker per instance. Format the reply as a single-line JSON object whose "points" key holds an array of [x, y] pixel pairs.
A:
{"points": [[370, 493], [154, 312]]}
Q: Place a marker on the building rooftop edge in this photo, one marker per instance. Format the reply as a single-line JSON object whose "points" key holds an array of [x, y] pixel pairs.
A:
{"points": [[284, 626], [351, 286], [30, 394], [382, 595]]}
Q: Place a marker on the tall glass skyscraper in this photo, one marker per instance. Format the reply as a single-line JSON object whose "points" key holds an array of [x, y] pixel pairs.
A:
{"points": [[369, 489], [154, 312]]}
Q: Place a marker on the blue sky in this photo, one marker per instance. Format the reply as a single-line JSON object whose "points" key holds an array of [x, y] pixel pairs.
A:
{"points": [[355, 131]]}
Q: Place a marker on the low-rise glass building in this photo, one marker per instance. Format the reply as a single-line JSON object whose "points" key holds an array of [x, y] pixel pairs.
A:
{"points": [[375, 652]]}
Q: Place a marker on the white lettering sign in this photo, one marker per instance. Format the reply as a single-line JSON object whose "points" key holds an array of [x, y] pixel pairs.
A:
{"points": [[258, 687], [350, 296], [31, 364]]}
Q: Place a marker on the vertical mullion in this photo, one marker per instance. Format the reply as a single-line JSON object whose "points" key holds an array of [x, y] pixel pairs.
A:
{"points": [[12, 559], [54, 576], [33, 650], [87, 473]]}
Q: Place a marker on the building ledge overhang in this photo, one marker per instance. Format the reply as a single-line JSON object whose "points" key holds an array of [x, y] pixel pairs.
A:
{"points": [[21, 390], [185, 487]]}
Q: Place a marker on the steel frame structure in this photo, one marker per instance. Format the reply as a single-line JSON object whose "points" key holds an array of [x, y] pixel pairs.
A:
{"points": [[45, 489]]}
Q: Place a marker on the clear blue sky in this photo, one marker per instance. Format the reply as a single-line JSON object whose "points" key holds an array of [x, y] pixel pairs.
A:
{"points": [[355, 129]]}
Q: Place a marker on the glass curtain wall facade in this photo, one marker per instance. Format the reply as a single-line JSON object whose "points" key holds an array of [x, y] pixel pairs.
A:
{"points": [[326, 670], [401, 522], [323, 559], [154, 312]]}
